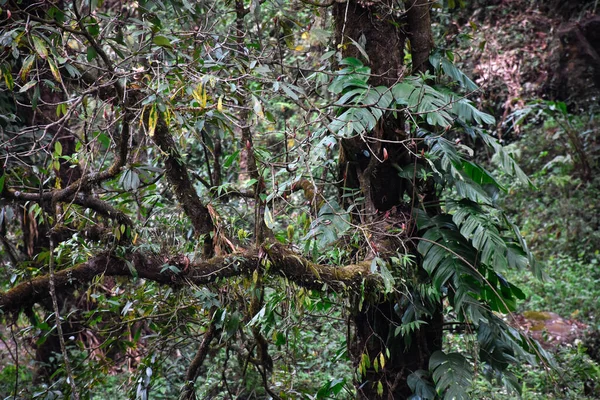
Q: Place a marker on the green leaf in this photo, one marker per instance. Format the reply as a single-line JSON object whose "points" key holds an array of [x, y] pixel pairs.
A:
{"points": [[332, 223], [420, 385], [331, 388], [354, 62], [91, 53], [447, 255], [451, 373], [161, 41], [479, 175], [230, 159], [402, 92], [465, 110], [130, 180], [288, 91], [508, 164], [93, 28], [452, 71], [58, 148], [360, 48], [386, 275]]}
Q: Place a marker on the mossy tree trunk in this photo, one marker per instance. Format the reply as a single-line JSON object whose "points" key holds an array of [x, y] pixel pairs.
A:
{"points": [[382, 29]]}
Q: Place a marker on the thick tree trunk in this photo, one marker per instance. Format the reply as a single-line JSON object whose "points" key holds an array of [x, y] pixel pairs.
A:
{"points": [[376, 26]]}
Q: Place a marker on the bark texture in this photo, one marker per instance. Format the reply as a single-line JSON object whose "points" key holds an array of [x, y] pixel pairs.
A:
{"points": [[151, 266], [388, 200]]}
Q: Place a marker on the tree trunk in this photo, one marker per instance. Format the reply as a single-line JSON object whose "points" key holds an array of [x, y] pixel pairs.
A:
{"points": [[389, 201]]}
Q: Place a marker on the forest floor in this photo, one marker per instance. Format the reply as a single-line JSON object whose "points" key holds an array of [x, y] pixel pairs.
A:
{"points": [[533, 55]]}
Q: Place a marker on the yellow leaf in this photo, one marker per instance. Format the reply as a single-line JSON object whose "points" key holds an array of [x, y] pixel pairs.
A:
{"points": [[8, 79], [27, 64], [258, 110], [315, 271], [203, 102], [269, 220], [220, 104], [74, 45], [54, 69], [304, 35], [39, 46], [255, 276], [152, 120], [381, 360], [299, 48], [197, 93]]}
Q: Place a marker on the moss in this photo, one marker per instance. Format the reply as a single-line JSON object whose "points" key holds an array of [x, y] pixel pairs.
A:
{"points": [[538, 315]]}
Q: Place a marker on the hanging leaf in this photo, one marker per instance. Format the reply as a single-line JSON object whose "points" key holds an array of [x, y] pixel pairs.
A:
{"points": [[27, 86], [257, 107], [268, 217], [152, 120], [26, 67], [54, 70], [40, 46], [91, 53], [57, 148]]}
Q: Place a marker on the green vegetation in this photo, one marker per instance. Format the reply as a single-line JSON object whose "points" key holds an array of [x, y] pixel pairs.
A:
{"points": [[290, 200]]}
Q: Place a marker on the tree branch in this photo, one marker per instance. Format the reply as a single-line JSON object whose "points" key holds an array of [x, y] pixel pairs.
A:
{"points": [[81, 199], [188, 392], [148, 266], [179, 179], [325, 3]]}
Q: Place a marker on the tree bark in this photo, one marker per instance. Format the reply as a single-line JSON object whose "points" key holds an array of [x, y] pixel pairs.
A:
{"points": [[376, 26]]}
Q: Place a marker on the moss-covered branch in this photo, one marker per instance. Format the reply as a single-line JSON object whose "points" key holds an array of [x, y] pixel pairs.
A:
{"points": [[180, 181], [272, 259]]}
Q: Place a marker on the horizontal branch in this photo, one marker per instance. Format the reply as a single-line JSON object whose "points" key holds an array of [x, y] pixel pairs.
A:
{"points": [[280, 262], [87, 201]]}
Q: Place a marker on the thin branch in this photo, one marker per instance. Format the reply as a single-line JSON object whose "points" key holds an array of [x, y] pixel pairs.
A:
{"points": [[327, 3], [188, 392], [81, 199], [59, 331]]}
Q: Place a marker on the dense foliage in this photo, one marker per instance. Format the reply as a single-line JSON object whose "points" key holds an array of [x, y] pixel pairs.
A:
{"points": [[256, 200]]}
